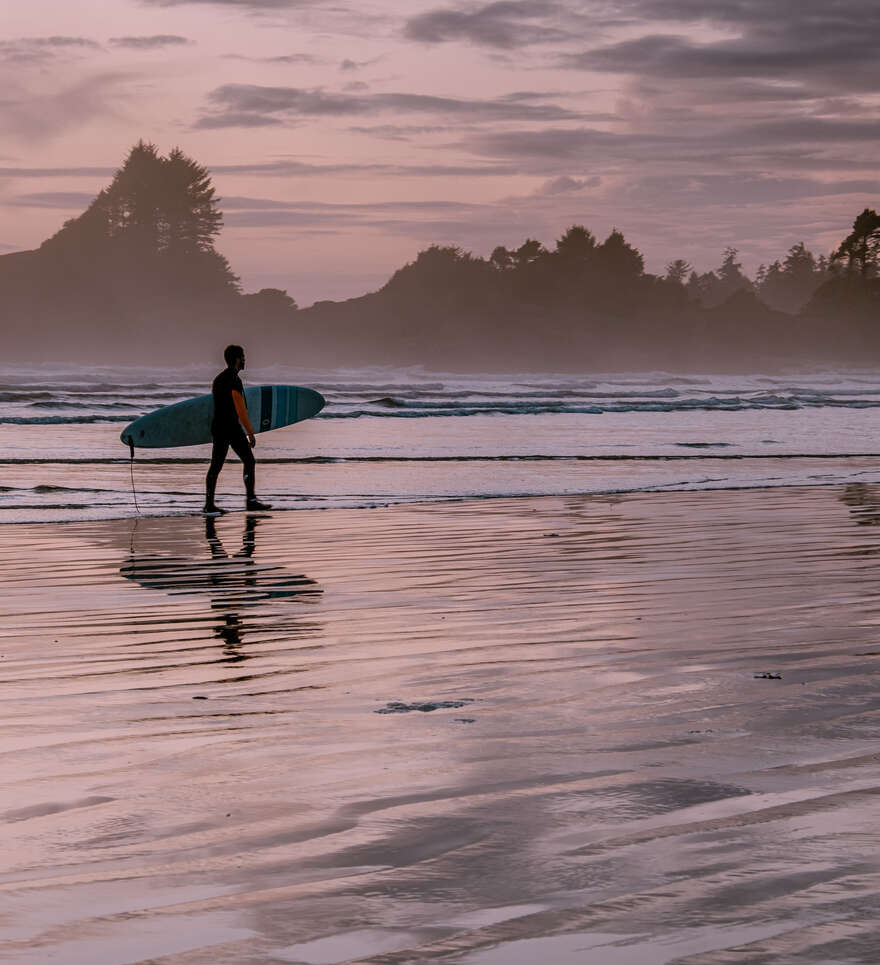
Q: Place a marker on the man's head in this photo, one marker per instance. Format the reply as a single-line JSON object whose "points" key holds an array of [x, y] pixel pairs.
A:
{"points": [[234, 355]]}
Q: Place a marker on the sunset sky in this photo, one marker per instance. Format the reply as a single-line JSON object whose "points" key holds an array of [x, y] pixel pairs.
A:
{"points": [[343, 137]]}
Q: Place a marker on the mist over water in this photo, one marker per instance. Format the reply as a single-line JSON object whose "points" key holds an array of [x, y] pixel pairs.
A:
{"points": [[408, 435]]}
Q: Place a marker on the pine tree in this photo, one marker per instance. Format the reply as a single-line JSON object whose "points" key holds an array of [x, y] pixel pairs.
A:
{"points": [[576, 245], [618, 258], [677, 271], [135, 200], [861, 248], [190, 219]]}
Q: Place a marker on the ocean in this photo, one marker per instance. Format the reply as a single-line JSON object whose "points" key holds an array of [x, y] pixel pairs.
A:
{"points": [[391, 436]]}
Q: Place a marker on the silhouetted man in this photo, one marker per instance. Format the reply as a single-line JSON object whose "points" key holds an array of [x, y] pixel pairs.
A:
{"points": [[231, 427]]}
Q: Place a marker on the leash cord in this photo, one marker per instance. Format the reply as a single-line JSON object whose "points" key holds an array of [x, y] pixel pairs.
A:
{"points": [[131, 471]]}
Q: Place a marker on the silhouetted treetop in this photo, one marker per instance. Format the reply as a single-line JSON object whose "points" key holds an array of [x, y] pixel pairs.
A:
{"points": [[528, 253], [191, 219], [677, 271], [153, 225], [789, 284], [860, 250], [577, 244], [271, 302], [619, 258]]}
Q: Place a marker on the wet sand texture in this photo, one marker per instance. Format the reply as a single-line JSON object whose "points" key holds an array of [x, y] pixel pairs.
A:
{"points": [[506, 731]]}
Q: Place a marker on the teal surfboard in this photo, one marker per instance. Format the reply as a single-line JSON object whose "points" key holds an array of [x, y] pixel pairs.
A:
{"points": [[188, 423]]}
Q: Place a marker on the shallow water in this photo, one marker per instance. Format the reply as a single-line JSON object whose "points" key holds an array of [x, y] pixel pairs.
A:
{"points": [[409, 436]]}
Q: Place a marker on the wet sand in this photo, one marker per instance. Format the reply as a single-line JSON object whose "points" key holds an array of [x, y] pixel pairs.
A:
{"points": [[486, 732]]}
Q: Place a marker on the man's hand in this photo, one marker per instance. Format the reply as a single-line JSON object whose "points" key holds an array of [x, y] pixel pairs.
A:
{"points": [[251, 440]]}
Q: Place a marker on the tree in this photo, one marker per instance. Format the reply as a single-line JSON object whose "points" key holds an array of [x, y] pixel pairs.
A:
{"points": [[731, 278], [860, 250], [151, 230], [799, 264], [788, 285], [134, 200], [501, 258], [271, 303], [446, 273], [528, 253], [189, 216], [618, 258], [576, 245], [703, 289], [677, 271]]}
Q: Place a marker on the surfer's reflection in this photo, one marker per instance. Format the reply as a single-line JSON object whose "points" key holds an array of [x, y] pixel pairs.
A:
{"points": [[244, 593], [864, 503]]}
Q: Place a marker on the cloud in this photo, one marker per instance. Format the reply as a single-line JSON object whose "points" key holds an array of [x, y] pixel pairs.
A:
{"points": [[265, 204], [498, 109], [19, 172], [557, 145], [681, 57], [297, 59], [505, 25], [291, 59], [235, 119], [243, 4], [40, 50], [396, 132], [744, 189], [299, 18], [254, 100], [422, 221], [695, 144], [347, 64], [287, 168], [60, 42], [798, 40], [251, 105], [266, 213], [63, 200], [154, 42], [39, 117], [566, 185]]}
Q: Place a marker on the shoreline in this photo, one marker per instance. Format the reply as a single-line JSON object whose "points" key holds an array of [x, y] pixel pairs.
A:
{"points": [[660, 490]]}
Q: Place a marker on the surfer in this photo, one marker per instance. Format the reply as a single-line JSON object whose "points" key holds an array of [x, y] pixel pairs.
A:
{"points": [[231, 427]]}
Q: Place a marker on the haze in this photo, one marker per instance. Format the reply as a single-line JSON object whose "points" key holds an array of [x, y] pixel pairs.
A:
{"points": [[344, 138]]}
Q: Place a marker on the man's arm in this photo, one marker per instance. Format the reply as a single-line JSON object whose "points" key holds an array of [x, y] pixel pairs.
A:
{"points": [[242, 413]]}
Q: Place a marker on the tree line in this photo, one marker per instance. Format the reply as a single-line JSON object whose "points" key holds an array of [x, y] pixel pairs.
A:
{"points": [[610, 274], [139, 268]]}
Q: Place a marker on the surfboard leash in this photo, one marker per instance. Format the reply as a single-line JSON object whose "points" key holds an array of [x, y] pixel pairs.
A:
{"points": [[130, 442]]}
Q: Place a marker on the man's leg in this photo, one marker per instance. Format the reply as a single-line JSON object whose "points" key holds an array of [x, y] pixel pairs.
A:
{"points": [[218, 457], [244, 452]]}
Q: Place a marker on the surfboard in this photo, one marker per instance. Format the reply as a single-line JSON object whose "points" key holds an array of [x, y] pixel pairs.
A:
{"points": [[188, 423]]}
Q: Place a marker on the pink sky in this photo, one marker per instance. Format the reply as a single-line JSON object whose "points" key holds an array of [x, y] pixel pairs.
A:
{"points": [[344, 138]]}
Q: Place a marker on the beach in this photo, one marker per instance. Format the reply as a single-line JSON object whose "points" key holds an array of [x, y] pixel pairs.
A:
{"points": [[624, 729]]}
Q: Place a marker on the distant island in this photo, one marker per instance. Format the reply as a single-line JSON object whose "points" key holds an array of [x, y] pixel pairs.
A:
{"points": [[136, 279]]}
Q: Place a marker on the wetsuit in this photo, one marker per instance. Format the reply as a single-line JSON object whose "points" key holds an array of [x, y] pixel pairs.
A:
{"points": [[227, 431]]}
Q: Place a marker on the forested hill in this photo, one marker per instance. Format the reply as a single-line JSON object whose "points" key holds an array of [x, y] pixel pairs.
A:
{"points": [[136, 278], [136, 268], [589, 305]]}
